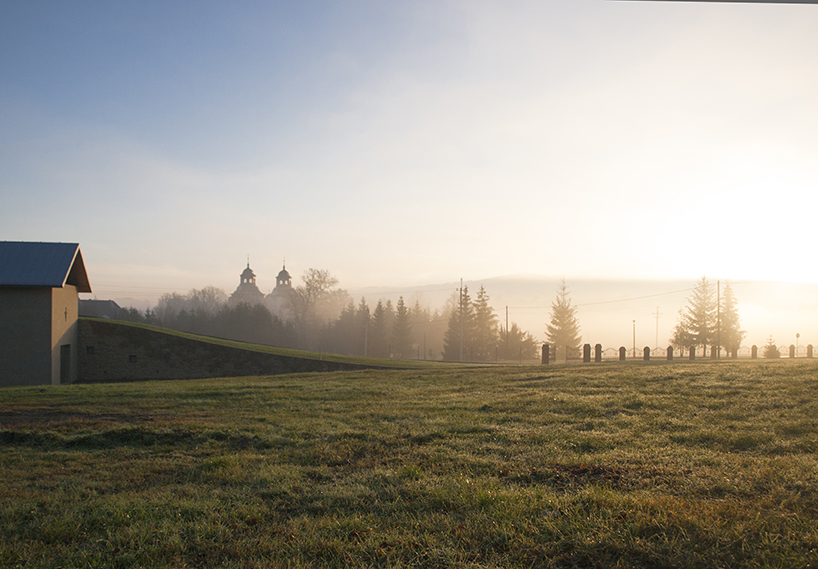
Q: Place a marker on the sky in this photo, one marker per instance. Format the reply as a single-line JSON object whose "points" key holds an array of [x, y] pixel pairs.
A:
{"points": [[410, 143]]}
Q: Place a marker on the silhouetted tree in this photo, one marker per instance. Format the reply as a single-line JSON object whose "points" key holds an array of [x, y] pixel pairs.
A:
{"points": [[517, 344], [362, 319], [316, 303], [697, 321], [730, 333], [378, 334], [771, 351], [402, 331], [563, 330], [460, 323], [484, 332]]}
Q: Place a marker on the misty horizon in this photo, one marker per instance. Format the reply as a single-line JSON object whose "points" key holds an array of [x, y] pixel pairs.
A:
{"points": [[607, 308]]}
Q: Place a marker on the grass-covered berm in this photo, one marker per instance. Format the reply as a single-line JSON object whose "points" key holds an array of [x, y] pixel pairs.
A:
{"points": [[609, 465]]}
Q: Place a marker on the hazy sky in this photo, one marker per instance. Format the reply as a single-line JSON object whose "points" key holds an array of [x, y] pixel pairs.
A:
{"points": [[401, 143]]}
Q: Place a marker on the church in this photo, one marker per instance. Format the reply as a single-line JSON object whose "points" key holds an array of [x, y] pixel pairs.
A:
{"points": [[280, 302]]}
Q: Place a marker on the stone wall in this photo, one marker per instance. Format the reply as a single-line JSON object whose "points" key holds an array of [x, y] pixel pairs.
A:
{"points": [[111, 351]]}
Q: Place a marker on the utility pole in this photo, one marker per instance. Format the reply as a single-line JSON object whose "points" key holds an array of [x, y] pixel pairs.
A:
{"points": [[657, 314]]}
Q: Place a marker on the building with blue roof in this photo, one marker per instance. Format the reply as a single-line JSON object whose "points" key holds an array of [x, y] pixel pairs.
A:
{"points": [[39, 302]]}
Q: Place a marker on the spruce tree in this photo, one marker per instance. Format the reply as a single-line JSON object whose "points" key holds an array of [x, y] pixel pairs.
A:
{"points": [[485, 328], [378, 335], [697, 321], [563, 331], [771, 351], [362, 333], [730, 331], [517, 344], [452, 338], [402, 331]]}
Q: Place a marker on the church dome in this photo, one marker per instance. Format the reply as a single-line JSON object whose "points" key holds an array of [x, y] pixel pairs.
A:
{"points": [[284, 278]]}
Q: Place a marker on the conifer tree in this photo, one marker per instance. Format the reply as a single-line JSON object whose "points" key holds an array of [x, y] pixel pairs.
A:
{"points": [[460, 321], [378, 333], [697, 321], [563, 331], [362, 317], [516, 343], [771, 351], [484, 328], [402, 331], [730, 331]]}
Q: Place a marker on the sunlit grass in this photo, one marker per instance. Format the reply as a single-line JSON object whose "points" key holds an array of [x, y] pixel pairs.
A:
{"points": [[597, 466]]}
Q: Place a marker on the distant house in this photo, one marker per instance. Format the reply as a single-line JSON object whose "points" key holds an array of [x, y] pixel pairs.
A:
{"points": [[101, 309], [39, 286]]}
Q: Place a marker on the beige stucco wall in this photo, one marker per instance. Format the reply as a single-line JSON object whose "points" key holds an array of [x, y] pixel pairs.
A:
{"points": [[64, 312], [25, 336]]}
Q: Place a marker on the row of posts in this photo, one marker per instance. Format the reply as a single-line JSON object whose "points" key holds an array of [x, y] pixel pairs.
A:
{"points": [[586, 353]]}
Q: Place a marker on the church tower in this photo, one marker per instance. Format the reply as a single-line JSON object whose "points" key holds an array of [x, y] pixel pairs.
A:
{"points": [[281, 301], [247, 291]]}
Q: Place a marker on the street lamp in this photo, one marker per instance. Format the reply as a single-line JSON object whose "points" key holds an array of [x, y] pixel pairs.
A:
{"points": [[634, 339]]}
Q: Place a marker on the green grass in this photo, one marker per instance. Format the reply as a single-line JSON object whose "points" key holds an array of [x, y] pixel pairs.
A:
{"points": [[606, 465]]}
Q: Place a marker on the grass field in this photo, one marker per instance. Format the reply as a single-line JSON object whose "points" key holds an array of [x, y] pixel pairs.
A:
{"points": [[607, 465]]}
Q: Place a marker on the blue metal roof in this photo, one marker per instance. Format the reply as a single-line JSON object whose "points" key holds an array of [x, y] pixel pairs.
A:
{"points": [[42, 264]]}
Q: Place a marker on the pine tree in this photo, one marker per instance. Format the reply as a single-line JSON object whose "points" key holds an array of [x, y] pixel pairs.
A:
{"points": [[697, 321], [771, 351], [378, 333], [362, 333], [516, 344], [563, 331], [452, 338], [485, 328], [421, 319], [730, 333], [402, 331]]}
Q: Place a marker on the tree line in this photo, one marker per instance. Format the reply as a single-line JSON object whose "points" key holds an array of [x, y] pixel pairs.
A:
{"points": [[326, 318]]}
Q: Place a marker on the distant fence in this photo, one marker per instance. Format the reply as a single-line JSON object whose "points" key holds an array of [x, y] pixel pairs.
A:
{"points": [[588, 353]]}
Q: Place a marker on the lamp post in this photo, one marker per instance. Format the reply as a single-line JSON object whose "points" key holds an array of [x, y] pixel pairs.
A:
{"points": [[634, 339]]}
